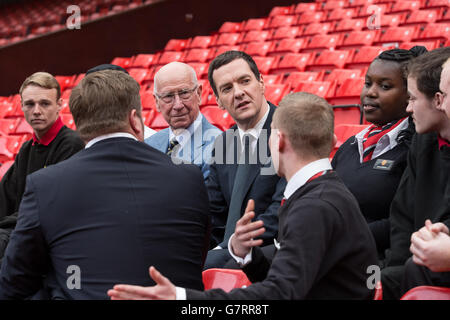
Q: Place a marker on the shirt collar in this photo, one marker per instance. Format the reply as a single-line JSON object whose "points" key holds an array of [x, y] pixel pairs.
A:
{"points": [[304, 174], [442, 142], [51, 133], [109, 136], [256, 130], [186, 134], [386, 142]]}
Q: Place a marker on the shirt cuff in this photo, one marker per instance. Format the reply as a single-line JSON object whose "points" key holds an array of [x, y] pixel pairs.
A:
{"points": [[180, 293], [241, 262]]}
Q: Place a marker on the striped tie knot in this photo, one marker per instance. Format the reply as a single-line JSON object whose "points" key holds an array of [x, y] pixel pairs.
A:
{"points": [[172, 144]]}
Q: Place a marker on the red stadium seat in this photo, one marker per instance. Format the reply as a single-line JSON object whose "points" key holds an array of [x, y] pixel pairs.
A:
{"points": [[405, 6], [158, 123], [67, 119], [225, 279], [357, 39], [349, 25], [294, 78], [330, 59], [293, 62], [197, 55], [371, 9], [421, 17], [317, 28], [349, 92], [177, 44], [10, 146], [228, 39], [311, 17], [306, 7], [282, 21], [10, 109], [9, 126], [256, 35], [265, 64], [324, 89], [231, 27], [378, 291], [434, 31], [275, 92], [364, 56], [23, 128], [273, 79], [65, 81], [145, 60], [170, 56], [219, 50], [140, 75], [285, 32], [343, 132], [322, 42], [430, 45], [340, 75], [397, 35], [258, 48], [123, 62], [427, 293], [218, 117], [5, 167], [147, 116], [281, 11], [202, 42], [255, 24], [201, 69], [148, 100], [440, 4], [286, 46], [333, 4], [347, 114], [340, 14]]}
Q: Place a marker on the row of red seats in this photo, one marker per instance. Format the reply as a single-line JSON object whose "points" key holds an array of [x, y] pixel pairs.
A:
{"points": [[229, 279], [39, 17]]}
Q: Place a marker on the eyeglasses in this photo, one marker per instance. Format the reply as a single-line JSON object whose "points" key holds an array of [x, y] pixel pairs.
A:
{"points": [[184, 95]]}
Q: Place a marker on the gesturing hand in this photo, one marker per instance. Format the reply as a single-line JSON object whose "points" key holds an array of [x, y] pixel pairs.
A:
{"points": [[246, 230], [163, 290]]}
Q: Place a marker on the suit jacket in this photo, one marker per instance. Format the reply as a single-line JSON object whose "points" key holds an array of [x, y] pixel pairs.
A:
{"points": [[111, 211], [264, 186], [325, 249], [197, 151]]}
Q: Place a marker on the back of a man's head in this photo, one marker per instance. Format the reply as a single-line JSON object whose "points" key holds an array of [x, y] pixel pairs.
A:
{"points": [[44, 80], [427, 68], [308, 122], [102, 101]]}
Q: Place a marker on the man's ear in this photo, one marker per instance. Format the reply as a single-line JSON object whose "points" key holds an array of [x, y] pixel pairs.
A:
{"points": [[156, 103], [437, 101], [59, 103], [334, 140], [281, 141], [136, 125], [219, 103]]}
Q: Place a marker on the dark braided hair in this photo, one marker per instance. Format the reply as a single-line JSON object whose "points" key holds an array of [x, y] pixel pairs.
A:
{"points": [[402, 57]]}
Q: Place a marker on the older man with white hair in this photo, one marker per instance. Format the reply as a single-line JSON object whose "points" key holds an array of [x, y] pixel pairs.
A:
{"points": [[190, 136]]}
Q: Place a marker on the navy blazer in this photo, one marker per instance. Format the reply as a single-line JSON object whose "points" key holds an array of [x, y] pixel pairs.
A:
{"points": [[111, 211], [265, 187], [201, 143]]}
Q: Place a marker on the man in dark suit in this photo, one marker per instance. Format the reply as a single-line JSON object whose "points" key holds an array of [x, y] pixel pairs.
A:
{"points": [[110, 212], [239, 89], [324, 244]]}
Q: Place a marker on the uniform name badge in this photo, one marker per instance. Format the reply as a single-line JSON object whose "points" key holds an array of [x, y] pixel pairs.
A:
{"points": [[381, 164]]}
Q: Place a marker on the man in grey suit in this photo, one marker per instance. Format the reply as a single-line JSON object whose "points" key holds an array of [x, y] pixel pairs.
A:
{"points": [[190, 136]]}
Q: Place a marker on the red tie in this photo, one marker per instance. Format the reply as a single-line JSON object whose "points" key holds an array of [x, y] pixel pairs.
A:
{"points": [[309, 180], [283, 201]]}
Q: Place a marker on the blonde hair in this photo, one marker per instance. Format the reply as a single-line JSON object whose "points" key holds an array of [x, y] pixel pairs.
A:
{"points": [[44, 80], [308, 122]]}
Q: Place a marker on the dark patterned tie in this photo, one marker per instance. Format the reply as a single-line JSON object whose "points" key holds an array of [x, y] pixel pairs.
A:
{"points": [[238, 194], [172, 144]]}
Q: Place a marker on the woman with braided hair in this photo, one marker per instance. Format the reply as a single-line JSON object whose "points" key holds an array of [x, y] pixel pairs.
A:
{"points": [[371, 163]]}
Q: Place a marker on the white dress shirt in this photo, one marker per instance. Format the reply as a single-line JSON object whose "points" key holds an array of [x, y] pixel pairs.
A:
{"points": [[109, 136]]}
